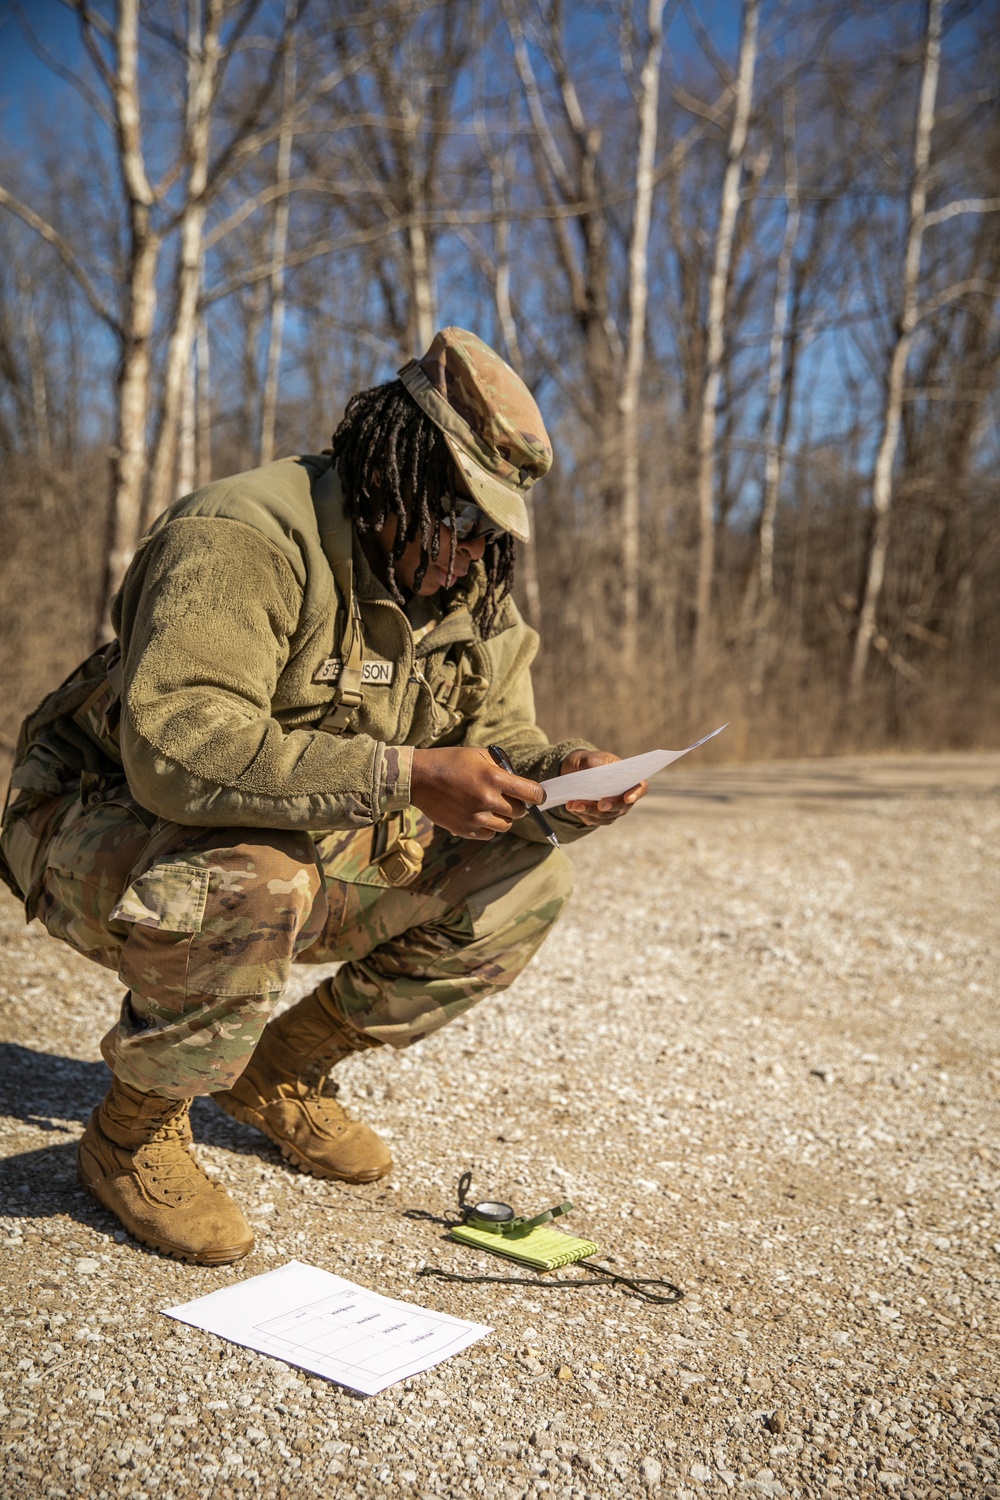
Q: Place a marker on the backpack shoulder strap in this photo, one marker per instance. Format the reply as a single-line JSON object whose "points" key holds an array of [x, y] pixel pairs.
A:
{"points": [[337, 537]]}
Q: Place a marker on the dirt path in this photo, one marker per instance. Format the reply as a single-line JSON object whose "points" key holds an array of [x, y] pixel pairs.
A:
{"points": [[761, 1054]]}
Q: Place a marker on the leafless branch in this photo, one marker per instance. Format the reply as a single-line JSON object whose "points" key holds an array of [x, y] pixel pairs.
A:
{"points": [[91, 21], [66, 254], [972, 285], [961, 206]]}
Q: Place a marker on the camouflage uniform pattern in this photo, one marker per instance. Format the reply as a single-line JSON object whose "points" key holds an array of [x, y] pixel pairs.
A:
{"points": [[417, 955], [203, 924], [489, 418]]}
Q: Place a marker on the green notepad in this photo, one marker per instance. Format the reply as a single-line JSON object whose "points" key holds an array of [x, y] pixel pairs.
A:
{"points": [[543, 1248]]}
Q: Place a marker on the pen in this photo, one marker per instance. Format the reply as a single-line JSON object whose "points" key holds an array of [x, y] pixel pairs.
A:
{"points": [[500, 756]]}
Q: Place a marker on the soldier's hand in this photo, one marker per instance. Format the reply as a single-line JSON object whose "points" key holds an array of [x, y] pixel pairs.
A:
{"points": [[609, 809], [465, 791]]}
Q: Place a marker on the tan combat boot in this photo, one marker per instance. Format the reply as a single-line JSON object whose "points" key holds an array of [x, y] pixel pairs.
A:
{"points": [[135, 1158], [281, 1093]]}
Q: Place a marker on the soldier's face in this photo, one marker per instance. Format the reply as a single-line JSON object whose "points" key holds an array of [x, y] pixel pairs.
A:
{"points": [[453, 561], [444, 571]]}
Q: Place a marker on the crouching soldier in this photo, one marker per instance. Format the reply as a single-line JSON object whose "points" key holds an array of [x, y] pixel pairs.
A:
{"points": [[281, 758]]}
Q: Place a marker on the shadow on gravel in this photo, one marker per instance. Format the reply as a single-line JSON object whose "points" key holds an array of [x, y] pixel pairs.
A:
{"points": [[54, 1094], [43, 1185], [213, 1127], [43, 1089], [46, 1090]]}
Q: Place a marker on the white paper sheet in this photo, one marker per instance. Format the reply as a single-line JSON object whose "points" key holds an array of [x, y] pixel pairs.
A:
{"points": [[331, 1327], [612, 780]]}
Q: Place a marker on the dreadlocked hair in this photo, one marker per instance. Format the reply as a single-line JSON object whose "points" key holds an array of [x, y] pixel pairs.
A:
{"points": [[393, 461]]}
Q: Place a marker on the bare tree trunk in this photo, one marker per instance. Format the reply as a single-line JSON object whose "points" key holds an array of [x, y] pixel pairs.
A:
{"points": [[638, 293], [422, 316], [129, 453], [250, 392], [502, 172], [501, 291], [203, 60], [508, 327], [889, 437], [728, 209], [778, 409], [203, 409], [39, 383], [44, 452], [773, 454], [186, 436], [581, 237], [133, 411], [279, 245]]}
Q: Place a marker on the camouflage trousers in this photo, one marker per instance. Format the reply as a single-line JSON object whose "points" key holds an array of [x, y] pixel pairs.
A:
{"points": [[203, 925]]}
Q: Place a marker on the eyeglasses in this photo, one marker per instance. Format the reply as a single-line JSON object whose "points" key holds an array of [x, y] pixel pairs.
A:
{"points": [[468, 522]]}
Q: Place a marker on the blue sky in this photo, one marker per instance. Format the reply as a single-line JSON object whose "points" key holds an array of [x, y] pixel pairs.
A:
{"points": [[26, 83]]}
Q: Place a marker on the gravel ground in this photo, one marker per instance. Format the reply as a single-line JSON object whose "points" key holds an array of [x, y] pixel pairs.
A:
{"points": [[760, 1053]]}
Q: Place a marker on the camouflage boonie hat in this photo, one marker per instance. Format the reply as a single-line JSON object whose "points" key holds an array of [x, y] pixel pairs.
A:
{"points": [[489, 419]]}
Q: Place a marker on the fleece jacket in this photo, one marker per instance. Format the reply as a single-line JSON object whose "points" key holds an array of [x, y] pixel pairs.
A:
{"points": [[229, 619]]}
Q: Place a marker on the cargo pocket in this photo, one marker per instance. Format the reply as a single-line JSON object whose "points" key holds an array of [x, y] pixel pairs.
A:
{"points": [[165, 909], [171, 897], [88, 861]]}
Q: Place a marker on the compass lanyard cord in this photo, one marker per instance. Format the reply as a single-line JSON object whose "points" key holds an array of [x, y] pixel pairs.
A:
{"points": [[634, 1286]]}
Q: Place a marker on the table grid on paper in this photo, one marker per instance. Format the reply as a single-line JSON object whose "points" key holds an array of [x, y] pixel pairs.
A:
{"points": [[334, 1328]]}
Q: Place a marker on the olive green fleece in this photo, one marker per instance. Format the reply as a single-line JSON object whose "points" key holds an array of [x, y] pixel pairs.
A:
{"points": [[225, 617]]}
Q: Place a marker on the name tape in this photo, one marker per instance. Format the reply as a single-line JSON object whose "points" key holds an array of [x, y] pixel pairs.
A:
{"points": [[327, 671], [373, 673]]}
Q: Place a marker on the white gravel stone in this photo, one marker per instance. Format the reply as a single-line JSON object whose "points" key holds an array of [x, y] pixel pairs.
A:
{"points": [[651, 1470]]}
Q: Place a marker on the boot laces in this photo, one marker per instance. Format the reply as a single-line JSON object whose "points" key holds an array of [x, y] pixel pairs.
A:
{"points": [[168, 1160], [320, 1094]]}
